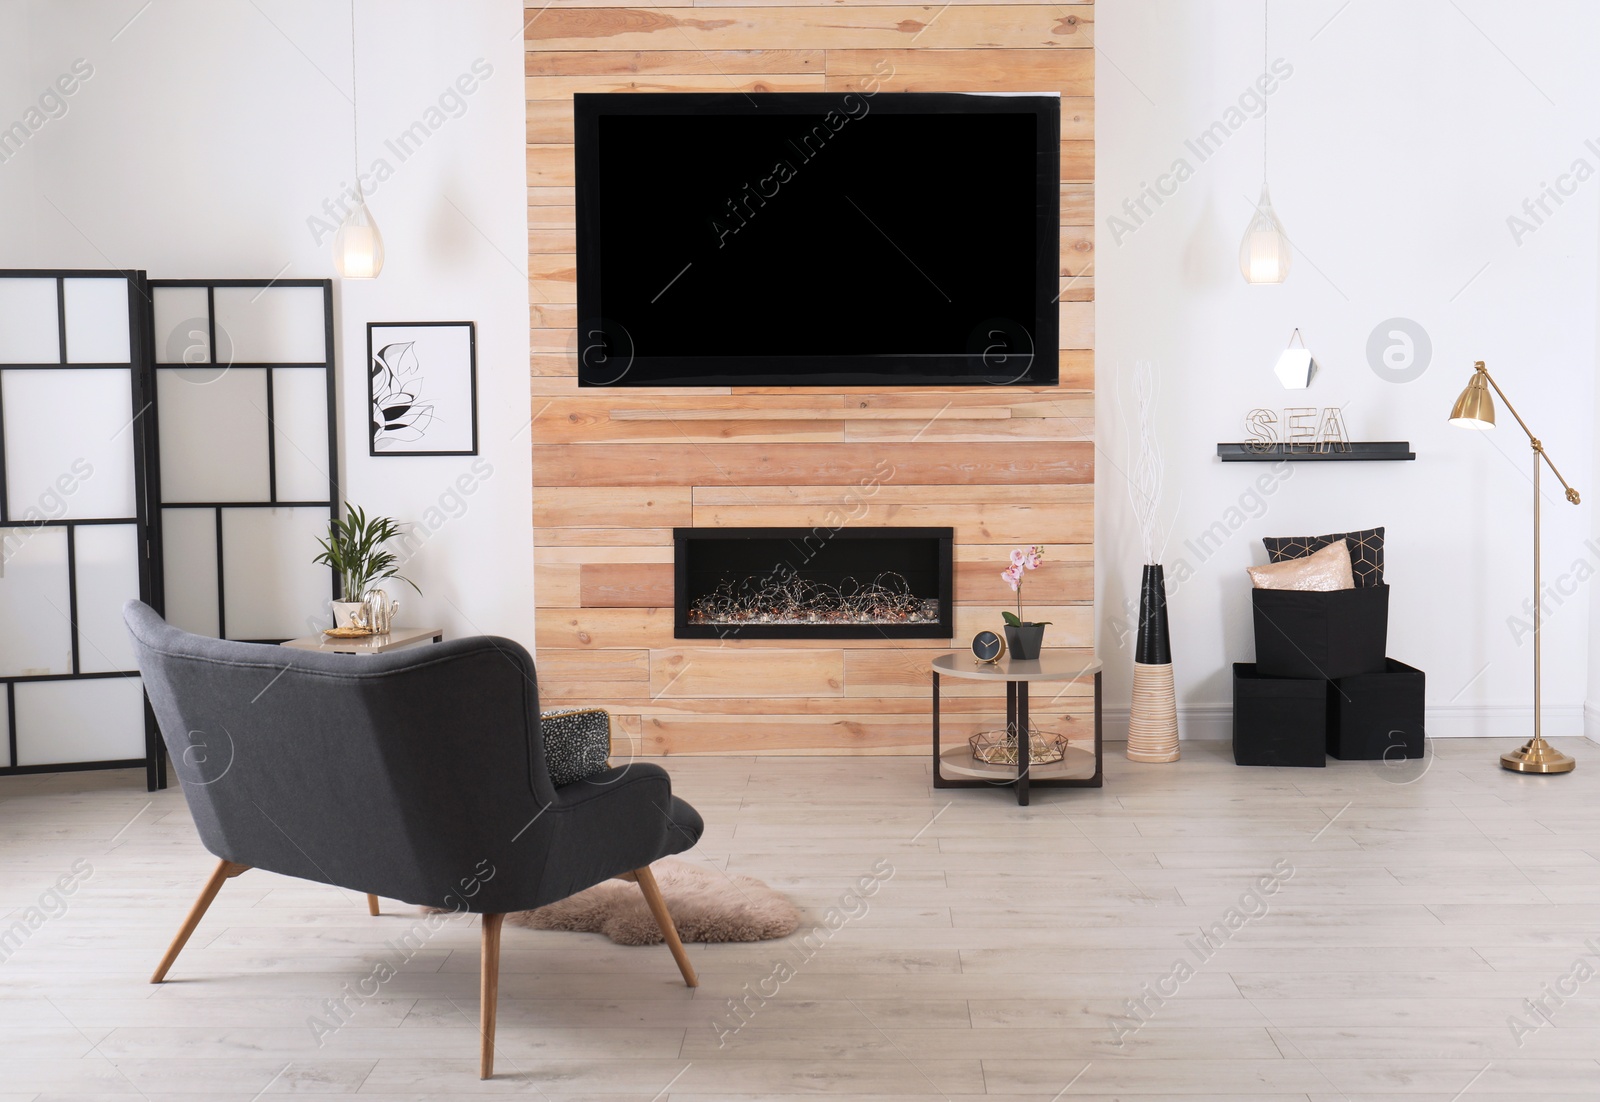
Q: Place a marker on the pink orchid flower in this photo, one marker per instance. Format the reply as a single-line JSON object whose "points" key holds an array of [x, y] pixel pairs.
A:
{"points": [[1022, 558]]}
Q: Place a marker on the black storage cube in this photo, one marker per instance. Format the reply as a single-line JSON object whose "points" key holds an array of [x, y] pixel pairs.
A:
{"points": [[1321, 634], [1278, 720], [1377, 716]]}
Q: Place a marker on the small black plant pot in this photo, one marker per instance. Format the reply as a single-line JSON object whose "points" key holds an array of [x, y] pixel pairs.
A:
{"points": [[1023, 641]]}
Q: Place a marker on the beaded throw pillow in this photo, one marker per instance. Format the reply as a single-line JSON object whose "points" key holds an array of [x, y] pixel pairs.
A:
{"points": [[577, 742], [1366, 551]]}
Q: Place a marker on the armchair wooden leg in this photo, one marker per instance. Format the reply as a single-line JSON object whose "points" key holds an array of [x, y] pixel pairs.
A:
{"points": [[658, 907], [372, 904], [488, 992], [225, 870]]}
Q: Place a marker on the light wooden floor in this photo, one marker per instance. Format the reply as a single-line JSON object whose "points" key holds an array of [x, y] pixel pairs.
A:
{"points": [[1423, 909]]}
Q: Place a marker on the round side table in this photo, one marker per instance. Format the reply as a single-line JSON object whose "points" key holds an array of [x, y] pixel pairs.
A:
{"points": [[1079, 769]]}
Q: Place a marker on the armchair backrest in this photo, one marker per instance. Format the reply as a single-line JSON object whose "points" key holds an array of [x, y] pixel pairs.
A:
{"points": [[394, 774]]}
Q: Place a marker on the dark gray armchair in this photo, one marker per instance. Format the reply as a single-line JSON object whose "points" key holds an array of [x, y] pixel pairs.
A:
{"points": [[417, 775]]}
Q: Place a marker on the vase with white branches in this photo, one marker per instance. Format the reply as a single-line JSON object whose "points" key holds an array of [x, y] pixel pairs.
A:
{"points": [[1153, 716]]}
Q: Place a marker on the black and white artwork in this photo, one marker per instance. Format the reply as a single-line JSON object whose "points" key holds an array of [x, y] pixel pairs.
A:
{"points": [[422, 388]]}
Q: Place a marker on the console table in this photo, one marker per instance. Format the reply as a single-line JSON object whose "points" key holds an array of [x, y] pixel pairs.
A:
{"points": [[1079, 769], [367, 644]]}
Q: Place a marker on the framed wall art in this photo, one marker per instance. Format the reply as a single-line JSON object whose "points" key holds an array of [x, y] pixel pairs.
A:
{"points": [[422, 388]]}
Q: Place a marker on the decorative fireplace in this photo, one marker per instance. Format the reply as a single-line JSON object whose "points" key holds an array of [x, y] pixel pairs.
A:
{"points": [[818, 583]]}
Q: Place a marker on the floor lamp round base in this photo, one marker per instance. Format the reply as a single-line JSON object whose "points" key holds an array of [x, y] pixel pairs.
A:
{"points": [[1538, 756]]}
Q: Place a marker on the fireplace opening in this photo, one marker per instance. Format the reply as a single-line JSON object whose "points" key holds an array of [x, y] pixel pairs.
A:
{"points": [[820, 583]]}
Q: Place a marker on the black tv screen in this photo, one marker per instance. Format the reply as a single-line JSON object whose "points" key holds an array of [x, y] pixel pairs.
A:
{"points": [[817, 239]]}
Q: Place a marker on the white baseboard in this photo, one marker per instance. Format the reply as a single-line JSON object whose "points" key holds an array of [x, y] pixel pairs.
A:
{"points": [[1513, 721]]}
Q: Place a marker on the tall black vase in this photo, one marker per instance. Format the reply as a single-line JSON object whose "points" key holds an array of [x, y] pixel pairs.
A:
{"points": [[1153, 716], [1154, 647]]}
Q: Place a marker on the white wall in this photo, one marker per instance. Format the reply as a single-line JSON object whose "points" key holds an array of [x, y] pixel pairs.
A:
{"points": [[208, 136], [18, 92], [1404, 138]]}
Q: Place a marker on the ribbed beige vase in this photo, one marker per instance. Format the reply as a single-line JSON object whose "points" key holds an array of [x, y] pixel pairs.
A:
{"points": [[1153, 720]]}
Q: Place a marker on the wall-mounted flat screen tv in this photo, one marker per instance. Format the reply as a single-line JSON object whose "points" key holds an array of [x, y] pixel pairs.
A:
{"points": [[817, 239]]}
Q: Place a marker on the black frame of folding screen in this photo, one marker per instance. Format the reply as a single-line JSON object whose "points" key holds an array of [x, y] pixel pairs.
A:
{"points": [[145, 422], [139, 344], [153, 458], [332, 504]]}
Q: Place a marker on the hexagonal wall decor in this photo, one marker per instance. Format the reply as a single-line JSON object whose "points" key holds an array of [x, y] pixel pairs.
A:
{"points": [[1295, 368]]}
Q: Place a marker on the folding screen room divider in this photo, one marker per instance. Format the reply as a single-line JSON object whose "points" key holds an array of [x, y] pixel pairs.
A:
{"points": [[171, 440]]}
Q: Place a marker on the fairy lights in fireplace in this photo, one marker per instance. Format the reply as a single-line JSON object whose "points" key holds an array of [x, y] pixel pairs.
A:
{"points": [[786, 598]]}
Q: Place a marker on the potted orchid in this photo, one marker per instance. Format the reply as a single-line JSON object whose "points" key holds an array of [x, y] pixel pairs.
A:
{"points": [[1023, 637]]}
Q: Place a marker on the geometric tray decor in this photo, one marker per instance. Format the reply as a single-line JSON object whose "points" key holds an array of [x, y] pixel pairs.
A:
{"points": [[1000, 748]]}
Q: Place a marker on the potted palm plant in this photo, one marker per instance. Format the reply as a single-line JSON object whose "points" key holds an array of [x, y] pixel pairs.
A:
{"points": [[354, 549]]}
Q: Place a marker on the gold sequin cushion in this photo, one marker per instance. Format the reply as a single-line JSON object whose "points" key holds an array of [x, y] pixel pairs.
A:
{"points": [[1321, 570]]}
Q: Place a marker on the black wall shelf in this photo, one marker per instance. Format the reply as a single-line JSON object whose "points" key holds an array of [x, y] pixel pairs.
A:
{"points": [[1354, 452]]}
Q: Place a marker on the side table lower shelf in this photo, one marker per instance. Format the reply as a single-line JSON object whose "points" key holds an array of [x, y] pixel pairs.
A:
{"points": [[957, 762]]}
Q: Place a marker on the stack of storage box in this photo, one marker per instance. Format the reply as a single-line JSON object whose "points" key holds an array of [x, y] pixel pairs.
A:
{"points": [[1322, 684]]}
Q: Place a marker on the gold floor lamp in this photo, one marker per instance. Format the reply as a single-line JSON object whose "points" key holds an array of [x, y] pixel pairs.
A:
{"points": [[1475, 410]]}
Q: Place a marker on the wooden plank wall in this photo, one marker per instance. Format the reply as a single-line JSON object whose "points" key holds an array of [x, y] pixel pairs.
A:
{"points": [[614, 471]]}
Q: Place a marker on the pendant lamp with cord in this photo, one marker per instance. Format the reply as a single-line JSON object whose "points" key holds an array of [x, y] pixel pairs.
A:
{"points": [[1264, 253], [358, 246]]}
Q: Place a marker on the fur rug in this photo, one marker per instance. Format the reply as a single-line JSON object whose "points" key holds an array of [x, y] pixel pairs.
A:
{"points": [[703, 904]]}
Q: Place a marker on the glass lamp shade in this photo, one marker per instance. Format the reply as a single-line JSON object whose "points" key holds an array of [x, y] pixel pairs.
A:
{"points": [[358, 246], [1264, 253], [1475, 408]]}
